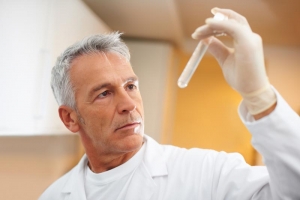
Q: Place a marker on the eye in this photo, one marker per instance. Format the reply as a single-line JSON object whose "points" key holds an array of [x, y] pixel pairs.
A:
{"points": [[131, 86], [103, 94]]}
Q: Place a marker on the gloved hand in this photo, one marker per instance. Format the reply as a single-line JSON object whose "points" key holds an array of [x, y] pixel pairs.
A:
{"points": [[243, 67]]}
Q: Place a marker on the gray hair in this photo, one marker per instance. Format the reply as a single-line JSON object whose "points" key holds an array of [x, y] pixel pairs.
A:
{"points": [[60, 77]]}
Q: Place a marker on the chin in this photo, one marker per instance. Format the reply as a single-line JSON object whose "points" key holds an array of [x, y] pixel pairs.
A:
{"points": [[133, 142]]}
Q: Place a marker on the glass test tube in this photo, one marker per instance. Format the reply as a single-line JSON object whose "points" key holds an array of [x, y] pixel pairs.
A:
{"points": [[192, 65], [195, 59]]}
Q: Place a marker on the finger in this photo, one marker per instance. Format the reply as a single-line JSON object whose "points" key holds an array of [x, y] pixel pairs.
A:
{"points": [[205, 31], [237, 31], [235, 21], [218, 50], [202, 32], [231, 15]]}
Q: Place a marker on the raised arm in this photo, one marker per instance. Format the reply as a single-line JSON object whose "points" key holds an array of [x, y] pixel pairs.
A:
{"points": [[275, 127]]}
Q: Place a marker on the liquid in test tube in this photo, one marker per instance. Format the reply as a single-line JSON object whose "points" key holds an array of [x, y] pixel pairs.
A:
{"points": [[195, 59]]}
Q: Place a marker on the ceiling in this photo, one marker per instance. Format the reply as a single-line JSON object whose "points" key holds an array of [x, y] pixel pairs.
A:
{"points": [[277, 21]]}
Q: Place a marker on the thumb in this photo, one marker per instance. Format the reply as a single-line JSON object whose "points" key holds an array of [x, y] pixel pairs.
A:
{"points": [[218, 49]]}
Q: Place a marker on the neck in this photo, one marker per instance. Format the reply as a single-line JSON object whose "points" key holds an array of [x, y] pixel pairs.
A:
{"points": [[101, 163], [102, 158]]}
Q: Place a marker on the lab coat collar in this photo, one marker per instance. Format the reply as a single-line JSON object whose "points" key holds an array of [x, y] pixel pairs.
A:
{"points": [[154, 164], [154, 159]]}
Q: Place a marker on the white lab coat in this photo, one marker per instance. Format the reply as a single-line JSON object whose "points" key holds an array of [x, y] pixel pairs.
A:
{"points": [[169, 172]]}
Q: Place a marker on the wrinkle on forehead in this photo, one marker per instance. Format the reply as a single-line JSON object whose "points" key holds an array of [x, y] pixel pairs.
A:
{"points": [[106, 56]]}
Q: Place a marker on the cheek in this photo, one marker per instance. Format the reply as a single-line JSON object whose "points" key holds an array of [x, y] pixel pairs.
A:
{"points": [[98, 119]]}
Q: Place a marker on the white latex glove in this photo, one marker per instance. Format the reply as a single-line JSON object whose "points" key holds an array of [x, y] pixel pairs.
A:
{"points": [[243, 67]]}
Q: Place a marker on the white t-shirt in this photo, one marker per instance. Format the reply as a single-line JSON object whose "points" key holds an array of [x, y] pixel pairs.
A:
{"points": [[112, 183]]}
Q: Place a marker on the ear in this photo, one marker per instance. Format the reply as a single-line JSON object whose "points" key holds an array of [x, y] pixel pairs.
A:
{"points": [[69, 117]]}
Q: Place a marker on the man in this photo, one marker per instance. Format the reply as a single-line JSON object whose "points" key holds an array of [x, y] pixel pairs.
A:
{"points": [[98, 95]]}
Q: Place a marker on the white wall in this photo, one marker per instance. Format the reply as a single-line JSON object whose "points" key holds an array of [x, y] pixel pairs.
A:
{"points": [[33, 34], [150, 61]]}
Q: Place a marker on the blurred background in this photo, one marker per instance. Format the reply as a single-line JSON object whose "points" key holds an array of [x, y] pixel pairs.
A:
{"points": [[35, 147]]}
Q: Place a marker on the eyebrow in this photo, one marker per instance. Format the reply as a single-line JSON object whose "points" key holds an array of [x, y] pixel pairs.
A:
{"points": [[104, 85]]}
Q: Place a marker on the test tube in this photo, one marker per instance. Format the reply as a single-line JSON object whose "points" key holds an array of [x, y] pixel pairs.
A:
{"points": [[195, 59]]}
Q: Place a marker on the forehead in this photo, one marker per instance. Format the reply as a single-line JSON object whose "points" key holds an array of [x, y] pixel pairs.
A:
{"points": [[99, 61], [99, 67]]}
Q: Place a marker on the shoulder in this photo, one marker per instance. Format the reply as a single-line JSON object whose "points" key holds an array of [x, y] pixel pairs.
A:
{"points": [[174, 155], [197, 158], [197, 165], [65, 184], [54, 191]]}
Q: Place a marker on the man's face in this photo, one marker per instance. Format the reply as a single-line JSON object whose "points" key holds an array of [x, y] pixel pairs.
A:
{"points": [[108, 102]]}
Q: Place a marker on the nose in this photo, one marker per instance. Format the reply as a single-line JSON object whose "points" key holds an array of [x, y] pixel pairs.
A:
{"points": [[126, 103]]}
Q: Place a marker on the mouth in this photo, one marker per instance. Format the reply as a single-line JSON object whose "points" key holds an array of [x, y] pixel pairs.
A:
{"points": [[128, 126]]}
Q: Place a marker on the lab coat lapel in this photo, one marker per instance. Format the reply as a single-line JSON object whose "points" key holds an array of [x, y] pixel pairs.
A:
{"points": [[74, 188], [142, 185], [154, 160]]}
